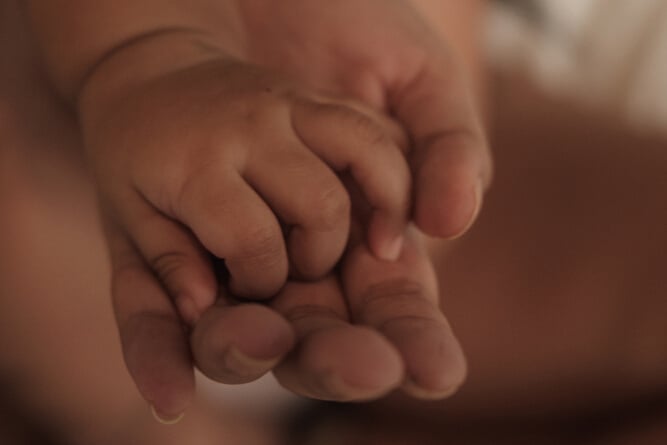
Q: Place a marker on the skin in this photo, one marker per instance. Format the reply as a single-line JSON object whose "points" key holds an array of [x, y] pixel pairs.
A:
{"points": [[160, 221], [562, 321], [55, 275], [50, 216]]}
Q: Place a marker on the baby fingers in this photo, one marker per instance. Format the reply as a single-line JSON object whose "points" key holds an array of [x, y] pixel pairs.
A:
{"points": [[234, 223], [363, 145], [172, 254]]}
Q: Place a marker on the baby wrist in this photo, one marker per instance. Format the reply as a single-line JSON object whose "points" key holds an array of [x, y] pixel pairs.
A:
{"points": [[147, 57]]}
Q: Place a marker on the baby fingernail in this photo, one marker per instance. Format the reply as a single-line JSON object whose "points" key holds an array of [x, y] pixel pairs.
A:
{"points": [[166, 419], [391, 251], [187, 309]]}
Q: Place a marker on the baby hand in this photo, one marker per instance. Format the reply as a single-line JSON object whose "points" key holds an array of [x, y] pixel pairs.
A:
{"points": [[225, 158]]}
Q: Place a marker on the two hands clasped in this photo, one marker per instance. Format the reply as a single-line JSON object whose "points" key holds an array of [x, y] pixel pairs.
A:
{"points": [[307, 160]]}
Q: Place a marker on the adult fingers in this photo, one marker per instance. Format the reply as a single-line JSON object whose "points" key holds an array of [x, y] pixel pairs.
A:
{"points": [[308, 197], [400, 300], [173, 254], [153, 338], [333, 360], [235, 224], [348, 139], [239, 343], [450, 160]]}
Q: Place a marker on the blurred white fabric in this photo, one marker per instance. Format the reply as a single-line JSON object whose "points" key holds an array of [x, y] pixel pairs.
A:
{"points": [[610, 53], [263, 399]]}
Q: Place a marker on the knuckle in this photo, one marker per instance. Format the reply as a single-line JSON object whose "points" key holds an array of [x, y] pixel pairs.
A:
{"points": [[397, 299], [257, 111], [395, 191], [332, 206], [262, 245], [309, 312], [418, 322], [366, 129], [399, 289], [254, 107], [169, 263]]}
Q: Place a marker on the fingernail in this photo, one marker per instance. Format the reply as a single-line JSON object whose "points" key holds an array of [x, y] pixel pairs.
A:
{"points": [[478, 197], [164, 419], [244, 365], [335, 388], [339, 390], [412, 388], [391, 251], [187, 309]]}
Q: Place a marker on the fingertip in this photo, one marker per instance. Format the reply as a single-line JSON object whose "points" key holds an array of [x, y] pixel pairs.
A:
{"points": [[351, 363], [158, 359], [393, 249], [417, 391], [389, 249], [439, 385], [310, 258], [247, 368], [201, 288], [258, 332], [385, 237], [239, 344], [450, 212], [442, 377], [193, 292], [435, 364], [166, 419], [187, 309], [170, 407]]}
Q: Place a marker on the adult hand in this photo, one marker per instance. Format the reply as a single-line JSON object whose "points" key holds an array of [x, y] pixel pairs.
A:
{"points": [[382, 52], [359, 335]]}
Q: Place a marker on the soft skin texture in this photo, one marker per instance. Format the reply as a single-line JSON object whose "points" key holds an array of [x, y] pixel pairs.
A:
{"points": [[236, 155], [164, 206], [557, 294]]}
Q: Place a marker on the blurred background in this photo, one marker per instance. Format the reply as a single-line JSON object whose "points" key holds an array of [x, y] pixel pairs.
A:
{"points": [[607, 54]]}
